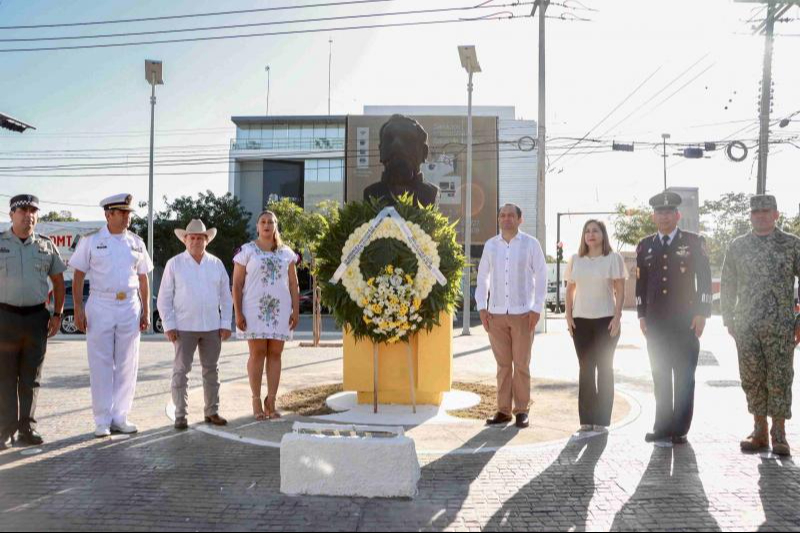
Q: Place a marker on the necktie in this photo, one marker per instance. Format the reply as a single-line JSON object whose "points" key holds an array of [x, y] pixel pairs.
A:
{"points": [[665, 240]]}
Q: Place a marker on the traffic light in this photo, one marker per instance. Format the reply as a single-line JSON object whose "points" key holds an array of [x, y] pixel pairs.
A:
{"points": [[560, 252]]}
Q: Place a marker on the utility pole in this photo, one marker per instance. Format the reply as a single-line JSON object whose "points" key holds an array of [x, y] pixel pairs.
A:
{"points": [[664, 137], [541, 230], [766, 100]]}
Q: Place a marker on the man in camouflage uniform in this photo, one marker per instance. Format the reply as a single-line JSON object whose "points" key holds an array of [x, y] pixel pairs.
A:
{"points": [[758, 310]]}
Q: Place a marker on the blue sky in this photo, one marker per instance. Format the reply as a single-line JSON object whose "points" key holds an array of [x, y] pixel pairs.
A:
{"points": [[98, 99]]}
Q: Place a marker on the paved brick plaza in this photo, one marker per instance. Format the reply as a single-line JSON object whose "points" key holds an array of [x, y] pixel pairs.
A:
{"points": [[165, 480]]}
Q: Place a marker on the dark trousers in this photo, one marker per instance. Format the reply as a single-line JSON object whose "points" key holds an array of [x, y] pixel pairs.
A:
{"points": [[595, 348], [674, 349], [23, 342]]}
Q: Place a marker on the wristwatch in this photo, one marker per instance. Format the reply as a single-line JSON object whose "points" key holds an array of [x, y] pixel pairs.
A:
{"points": [[59, 315]]}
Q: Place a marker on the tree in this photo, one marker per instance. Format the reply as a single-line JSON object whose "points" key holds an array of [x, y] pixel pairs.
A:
{"points": [[303, 229], [728, 218], [632, 224], [58, 216], [792, 225], [225, 213]]}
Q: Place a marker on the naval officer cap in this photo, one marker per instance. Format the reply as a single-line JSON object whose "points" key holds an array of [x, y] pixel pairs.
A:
{"points": [[665, 201], [120, 202], [23, 200], [763, 201]]}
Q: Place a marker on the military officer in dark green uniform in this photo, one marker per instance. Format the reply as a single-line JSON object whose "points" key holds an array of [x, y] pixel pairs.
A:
{"points": [[673, 298], [758, 295], [26, 261]]}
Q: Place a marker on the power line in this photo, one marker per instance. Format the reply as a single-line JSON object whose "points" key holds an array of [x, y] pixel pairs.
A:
{"points": [[265, 34], [609, 114], [268, 23], [194, 15]]}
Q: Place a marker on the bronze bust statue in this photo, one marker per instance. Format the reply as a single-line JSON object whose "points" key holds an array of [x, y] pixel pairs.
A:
{"points": [[403, 148]]}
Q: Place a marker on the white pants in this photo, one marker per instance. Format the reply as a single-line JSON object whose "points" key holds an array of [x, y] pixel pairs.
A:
{"points": [[112, 341]]}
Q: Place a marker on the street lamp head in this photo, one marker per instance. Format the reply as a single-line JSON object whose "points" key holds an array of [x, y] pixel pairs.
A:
{"points": [[12, 124], [469, 58], [153, 72]]}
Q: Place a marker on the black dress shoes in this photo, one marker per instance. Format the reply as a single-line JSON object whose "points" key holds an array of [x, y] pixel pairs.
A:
{"points": [[656, 436], [29, 437], [522, 421], [680, 439], [6, 442], [498, 418], [181, 423]]}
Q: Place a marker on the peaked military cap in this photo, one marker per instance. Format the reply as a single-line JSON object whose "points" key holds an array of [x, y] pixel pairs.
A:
{"points": [[763, 201], [24, 200], [665, 200], [121, 202]]}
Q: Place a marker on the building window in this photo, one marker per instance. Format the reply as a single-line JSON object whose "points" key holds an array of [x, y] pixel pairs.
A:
{"points": [[324, 170]]}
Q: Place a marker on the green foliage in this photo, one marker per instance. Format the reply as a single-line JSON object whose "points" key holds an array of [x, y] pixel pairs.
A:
{"points": [[380, 254], [303, 229], [632, 224], [792, 225], [729, 217], [58, 216], [222, 212]]}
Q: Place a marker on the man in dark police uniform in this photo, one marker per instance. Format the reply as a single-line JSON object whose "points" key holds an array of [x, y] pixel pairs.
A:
{"points": [[673, 297]]}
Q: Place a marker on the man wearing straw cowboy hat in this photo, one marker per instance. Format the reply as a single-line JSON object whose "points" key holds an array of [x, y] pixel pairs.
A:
{"points": [[195, 304]]}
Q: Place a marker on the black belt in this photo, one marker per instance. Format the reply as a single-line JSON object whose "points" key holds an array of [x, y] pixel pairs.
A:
{"points": [[29, 310]]}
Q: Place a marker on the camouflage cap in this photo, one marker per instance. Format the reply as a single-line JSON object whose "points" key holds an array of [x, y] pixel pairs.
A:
{"points": [[763, 201]]}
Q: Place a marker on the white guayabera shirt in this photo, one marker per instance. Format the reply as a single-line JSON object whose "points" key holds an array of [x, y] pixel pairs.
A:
{"points": [[195, 296], [512, 276]]}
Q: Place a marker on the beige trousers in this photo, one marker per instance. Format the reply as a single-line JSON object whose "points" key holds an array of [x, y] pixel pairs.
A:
{"points": [[512, 339]]}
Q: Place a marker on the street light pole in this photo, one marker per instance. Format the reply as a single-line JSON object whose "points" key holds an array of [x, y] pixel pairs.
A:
{"points": [[469, 60], [468, 218], [267, 69], [153, 74]]}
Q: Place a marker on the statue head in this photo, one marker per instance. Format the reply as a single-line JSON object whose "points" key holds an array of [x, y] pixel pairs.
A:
{"points": [[403, 148]]}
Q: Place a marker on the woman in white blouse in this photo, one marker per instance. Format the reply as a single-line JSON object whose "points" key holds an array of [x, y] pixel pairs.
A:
{"points": [[266, 300], [595, 295]]}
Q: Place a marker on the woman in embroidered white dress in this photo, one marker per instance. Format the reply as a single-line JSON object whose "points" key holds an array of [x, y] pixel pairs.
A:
{"points": [[266, 300]]}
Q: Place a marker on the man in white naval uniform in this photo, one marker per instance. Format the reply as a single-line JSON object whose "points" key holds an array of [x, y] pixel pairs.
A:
{"points": [[118, 309]]}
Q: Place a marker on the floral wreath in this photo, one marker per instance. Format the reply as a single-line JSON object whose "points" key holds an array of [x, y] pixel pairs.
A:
{"points": [[353, 279], [383, 296]]}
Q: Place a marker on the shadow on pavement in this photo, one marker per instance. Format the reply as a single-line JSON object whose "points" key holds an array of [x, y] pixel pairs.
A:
{"points": [[670, 495], [563, 491]]}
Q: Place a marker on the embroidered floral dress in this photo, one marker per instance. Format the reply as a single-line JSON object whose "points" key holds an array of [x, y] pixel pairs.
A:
{"points": [[266, 301]]}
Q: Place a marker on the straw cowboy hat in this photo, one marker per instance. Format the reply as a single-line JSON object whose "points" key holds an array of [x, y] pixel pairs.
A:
{"points": [[196, 227]]}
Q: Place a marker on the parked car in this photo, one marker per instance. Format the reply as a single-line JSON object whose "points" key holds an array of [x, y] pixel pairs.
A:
{"points": [[307, 303], [68, 317], [550, 299]]}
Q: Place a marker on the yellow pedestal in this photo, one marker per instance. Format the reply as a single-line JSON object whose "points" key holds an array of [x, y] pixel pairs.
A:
{"points": [[432, 358]]}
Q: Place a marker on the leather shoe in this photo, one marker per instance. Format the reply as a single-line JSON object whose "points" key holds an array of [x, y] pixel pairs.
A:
{"points": [[655, 436], [216, 420], [498, 418], [680, 439], [29, 437], [181, 423], [6, 442], [522, 421]]}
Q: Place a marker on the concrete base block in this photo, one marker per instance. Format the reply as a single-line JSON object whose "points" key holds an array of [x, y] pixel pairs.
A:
{"points": [[346, 460]]}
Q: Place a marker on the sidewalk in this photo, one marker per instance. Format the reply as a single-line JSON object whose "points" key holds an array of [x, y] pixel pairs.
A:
{"points": [[165, 480]]}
